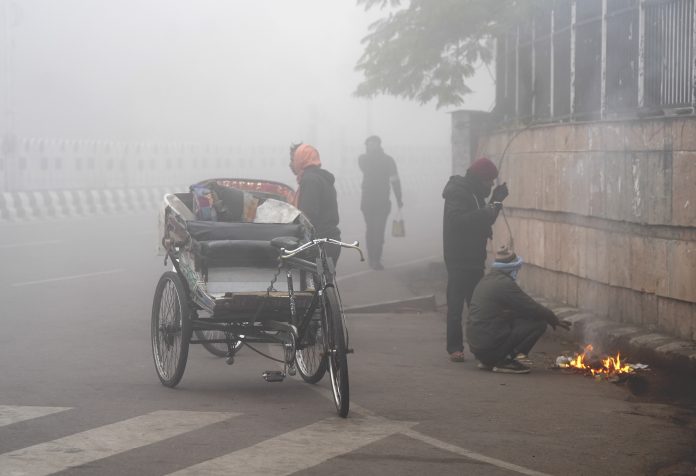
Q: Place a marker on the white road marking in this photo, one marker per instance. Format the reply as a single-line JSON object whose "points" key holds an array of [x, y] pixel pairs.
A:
{"points": [[105, 441], [471, 454], [300, 449], [67, 278], [410, 432], [10, 414], [400, 265], [31, 243]]}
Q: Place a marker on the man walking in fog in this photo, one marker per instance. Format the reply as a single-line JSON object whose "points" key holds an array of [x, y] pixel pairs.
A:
{"points": [[467, 226], [379, 177]]}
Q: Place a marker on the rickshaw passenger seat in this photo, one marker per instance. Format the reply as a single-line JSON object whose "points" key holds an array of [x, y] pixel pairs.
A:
{"points": [[245, 253], [209, 230]]}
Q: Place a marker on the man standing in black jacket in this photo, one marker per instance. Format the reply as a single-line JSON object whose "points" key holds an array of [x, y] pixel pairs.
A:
{"points": [[467, 226], [504, 322], [379, 177]]}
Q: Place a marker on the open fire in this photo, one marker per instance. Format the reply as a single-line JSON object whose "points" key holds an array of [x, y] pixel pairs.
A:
{"points": [[609, 366]]}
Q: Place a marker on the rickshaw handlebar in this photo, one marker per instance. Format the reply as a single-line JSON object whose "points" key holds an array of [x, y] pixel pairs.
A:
{"points": [[312, 243]]}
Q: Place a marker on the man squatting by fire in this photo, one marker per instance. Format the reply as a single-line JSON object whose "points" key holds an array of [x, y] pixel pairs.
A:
{"points": [[504, 322]]}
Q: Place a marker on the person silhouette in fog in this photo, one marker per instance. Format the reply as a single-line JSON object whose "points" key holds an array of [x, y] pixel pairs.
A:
{"points": [[316, 195], [467, 226], [380, 175]]}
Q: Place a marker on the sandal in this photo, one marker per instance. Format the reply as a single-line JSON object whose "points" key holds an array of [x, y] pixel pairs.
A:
{"points": [[457, 356]]}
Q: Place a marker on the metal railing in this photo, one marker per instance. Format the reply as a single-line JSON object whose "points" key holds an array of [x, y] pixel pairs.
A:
{"points": [[591, 59]]}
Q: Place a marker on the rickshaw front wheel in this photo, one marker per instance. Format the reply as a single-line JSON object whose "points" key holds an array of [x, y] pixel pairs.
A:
{"points": [[170, 329]]}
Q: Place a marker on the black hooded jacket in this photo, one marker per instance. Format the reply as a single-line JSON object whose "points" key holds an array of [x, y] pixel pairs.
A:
{"points": [[317, 200], [467, 223]]}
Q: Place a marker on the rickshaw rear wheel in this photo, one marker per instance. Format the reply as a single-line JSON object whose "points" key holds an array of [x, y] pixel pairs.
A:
{"points": [[310, 358], [218, 350], [336, 353], [170, 329]]}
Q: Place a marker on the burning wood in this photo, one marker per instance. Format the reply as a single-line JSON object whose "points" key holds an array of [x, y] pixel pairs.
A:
{"points": [[607, 367]]}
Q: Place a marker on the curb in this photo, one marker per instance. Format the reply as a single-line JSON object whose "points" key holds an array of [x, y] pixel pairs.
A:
{"points": [[643, 345], [638, 343], [418, 303]]}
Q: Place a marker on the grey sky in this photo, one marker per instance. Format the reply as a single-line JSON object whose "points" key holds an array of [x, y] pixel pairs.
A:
{"points": [[237, 71]]}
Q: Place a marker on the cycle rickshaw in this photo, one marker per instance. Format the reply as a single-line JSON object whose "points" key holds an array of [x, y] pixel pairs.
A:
{"points": [[229, 241]]}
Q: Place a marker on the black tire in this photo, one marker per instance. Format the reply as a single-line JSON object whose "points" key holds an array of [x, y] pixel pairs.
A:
{"points": [[336, 355], [310, 360], [170, 329], [218, 350]]}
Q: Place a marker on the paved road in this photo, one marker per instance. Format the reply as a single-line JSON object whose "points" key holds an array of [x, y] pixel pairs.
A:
{"points": [[79, 394]]}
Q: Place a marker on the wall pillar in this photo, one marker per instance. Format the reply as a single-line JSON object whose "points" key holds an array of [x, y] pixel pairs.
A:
{"points": [[467, 127]]}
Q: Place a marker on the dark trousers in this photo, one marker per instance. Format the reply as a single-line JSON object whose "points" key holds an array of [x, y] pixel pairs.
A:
{"points": [[375, 223], [460, 287], [333, 251], [524, 333]]}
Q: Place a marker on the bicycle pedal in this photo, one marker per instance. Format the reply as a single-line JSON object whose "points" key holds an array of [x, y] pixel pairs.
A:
{"points": [[350, 351], [292, 371], [273, 376]]}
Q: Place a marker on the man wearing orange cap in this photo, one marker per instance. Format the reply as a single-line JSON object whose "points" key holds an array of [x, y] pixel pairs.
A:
{"points": [[467, 226], [316, 194]]}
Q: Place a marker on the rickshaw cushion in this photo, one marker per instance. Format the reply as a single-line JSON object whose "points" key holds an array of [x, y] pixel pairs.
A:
{"points": [[248, 253], [211, 230]]}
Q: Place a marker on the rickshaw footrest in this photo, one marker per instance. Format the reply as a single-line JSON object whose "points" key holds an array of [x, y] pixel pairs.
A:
{"points": [[273, 376]]}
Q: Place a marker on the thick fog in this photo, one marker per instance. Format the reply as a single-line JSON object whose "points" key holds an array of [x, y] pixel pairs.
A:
{"points": [[220, 72], [133, 98]]}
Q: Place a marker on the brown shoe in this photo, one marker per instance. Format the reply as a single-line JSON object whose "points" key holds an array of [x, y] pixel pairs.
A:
{"points": [[457, 356]]}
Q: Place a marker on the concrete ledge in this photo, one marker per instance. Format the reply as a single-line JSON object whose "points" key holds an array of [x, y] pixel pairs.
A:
{"points": [[418, 303], [638, 344]]}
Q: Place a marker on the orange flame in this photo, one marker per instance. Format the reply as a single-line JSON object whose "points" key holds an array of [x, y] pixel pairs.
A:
{"points": [[610, 365]]}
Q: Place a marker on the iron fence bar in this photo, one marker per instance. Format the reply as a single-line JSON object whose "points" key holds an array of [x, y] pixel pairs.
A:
{"points": [[670, 39], [692, 55], [686, 59], [533, 73], [552, 68], [675, 52], [603, 65], [506, 71], [641, 54], [517, 73], [680, 53], [573, 35], [661, 44]]}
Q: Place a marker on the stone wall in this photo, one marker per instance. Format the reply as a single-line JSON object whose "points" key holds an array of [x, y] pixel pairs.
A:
{"points": [[604, 213]]}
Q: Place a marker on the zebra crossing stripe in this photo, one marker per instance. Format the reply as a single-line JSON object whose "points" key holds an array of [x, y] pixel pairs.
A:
{"points": [[10, 414], [300, 449], [105, 441]]}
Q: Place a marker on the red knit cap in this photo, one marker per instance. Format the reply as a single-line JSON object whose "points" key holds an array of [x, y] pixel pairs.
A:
{"points": [[484, 169]]}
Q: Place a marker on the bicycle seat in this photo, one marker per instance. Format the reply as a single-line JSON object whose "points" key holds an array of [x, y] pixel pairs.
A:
{"points": [[287, 242]]}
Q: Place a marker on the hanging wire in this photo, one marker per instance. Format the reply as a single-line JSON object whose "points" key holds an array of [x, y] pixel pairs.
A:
{"points": [[501, 160]]}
